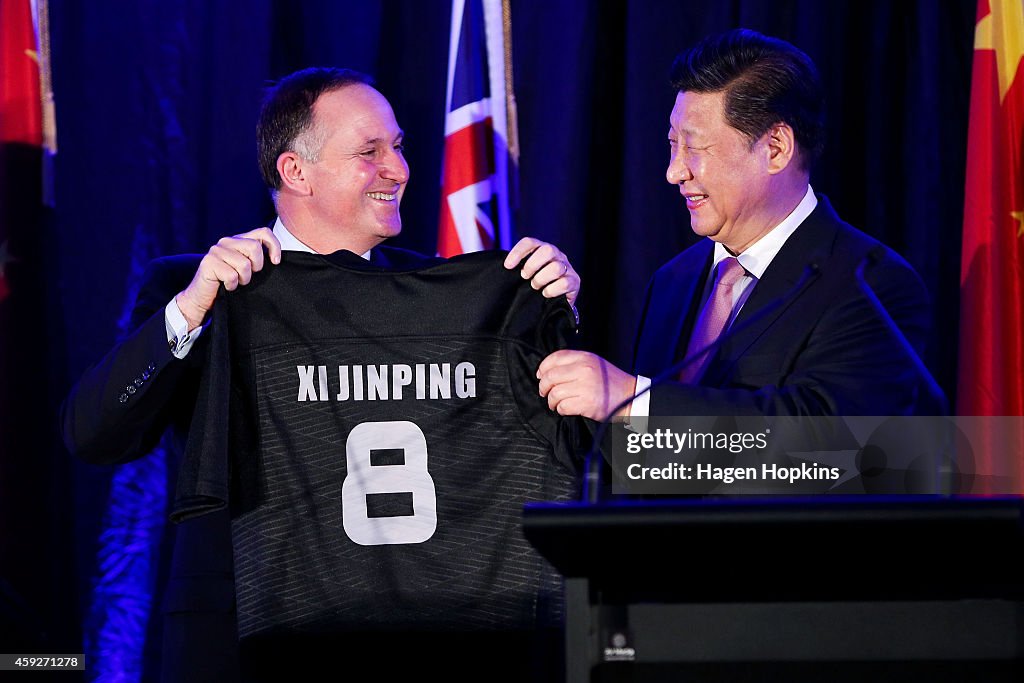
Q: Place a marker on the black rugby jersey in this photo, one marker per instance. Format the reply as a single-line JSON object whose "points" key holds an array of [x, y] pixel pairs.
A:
{"points": [[383, 430]]}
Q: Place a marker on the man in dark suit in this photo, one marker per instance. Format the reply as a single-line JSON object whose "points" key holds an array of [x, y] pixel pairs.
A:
{"points": [[772, 294], [331, 152]]}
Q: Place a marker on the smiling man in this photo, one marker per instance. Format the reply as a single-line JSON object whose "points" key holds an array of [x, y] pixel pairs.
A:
{"points": [[330, 150], [765, 316]]}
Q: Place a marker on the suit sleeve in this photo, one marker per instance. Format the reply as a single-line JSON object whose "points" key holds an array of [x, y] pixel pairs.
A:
{"points": [[122, 405], [849, 364]]}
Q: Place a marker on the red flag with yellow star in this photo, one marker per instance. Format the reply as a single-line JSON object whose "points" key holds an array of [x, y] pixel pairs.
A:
{"points": [[991, 369], [21, 121]]}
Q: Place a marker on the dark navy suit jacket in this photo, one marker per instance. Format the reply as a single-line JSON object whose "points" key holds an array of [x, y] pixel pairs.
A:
{"points": [[807, 341]]}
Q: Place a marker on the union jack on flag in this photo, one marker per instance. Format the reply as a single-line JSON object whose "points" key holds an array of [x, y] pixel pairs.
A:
{"points": [[480, 150]]}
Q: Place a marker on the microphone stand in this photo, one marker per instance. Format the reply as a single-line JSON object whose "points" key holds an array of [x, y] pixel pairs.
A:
{"points": [[935, 392]]}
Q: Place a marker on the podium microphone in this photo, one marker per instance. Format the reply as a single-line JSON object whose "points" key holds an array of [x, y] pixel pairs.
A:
{"points": [[592, 463]]}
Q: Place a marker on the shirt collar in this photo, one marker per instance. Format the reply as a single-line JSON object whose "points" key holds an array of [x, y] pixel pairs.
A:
{"points": [[290, 242], [756, 259]]}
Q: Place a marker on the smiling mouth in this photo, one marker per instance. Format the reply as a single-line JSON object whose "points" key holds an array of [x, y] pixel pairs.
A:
{"points": [[694, 201], [383, 196]]}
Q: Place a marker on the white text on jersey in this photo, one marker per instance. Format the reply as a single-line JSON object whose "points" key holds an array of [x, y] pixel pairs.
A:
{"points": [[387, 382]]}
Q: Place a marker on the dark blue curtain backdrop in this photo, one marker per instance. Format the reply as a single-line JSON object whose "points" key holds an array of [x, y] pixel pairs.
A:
{"points": [[157, 102]]}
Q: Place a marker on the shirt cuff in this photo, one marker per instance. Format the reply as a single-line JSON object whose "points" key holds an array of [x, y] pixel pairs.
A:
{"points": [[640, 408], [179, 338]]}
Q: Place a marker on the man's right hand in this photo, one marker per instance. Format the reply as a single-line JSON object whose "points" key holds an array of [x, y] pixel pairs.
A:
{"points": [[230, 262], [582, 383]]}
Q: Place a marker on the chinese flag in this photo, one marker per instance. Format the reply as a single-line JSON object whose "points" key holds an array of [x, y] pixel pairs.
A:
{"points": [[21, 125], [991, 368], [21, 116]]}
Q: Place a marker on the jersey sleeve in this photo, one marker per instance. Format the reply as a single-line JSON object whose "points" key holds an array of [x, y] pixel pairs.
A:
{"points": [[545, 326], [204, 479]]}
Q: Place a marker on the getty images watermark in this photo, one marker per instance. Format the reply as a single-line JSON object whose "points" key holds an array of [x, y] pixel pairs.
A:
{"points": [[819, 455]]}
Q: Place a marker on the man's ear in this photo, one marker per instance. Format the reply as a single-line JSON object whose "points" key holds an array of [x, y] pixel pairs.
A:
{"points": [[291, 168], [780, 147]]}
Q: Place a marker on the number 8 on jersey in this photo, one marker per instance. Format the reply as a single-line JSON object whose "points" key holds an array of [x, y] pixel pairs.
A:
{"points": [[386, 462]]}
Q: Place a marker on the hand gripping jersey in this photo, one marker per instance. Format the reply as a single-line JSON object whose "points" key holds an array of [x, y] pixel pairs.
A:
{"points": [[383, 430]]}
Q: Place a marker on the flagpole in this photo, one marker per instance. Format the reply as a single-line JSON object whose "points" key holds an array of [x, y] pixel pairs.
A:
{"points": [[46, 101], [512, 115]]}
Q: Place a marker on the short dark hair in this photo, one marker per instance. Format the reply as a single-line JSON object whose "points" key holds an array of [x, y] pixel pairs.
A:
{"points": [[765, 80], [287, 113]]}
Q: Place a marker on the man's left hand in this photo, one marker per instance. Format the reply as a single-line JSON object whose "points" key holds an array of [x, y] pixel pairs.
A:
{"points": [[547, 269]]}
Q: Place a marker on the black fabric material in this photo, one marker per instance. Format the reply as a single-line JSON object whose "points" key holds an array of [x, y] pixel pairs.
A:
{"points": [[277, 449], [454, 657], [458, 306], [203, 482]]}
